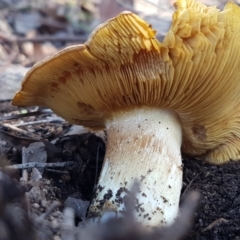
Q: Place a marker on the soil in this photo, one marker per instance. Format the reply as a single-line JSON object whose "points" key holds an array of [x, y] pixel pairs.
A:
{"points": [[218, 213]]}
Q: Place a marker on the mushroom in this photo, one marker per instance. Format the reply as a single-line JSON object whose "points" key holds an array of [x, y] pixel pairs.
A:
{"points": [[152, 98]]}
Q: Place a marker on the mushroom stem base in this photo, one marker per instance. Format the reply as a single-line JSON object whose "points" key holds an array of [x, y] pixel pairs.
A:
{"points": [[143, 144]]}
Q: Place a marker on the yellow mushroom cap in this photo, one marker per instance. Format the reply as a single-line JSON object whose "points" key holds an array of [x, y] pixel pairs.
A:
{"points": [[203, 44], [194, 72], [111, 71]]}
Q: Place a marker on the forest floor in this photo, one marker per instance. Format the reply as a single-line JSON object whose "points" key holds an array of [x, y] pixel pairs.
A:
{"points": [[50, 167]]}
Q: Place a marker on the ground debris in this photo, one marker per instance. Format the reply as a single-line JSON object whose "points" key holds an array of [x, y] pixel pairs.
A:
{"points": [[213, 224], [37, 223], [79, 206], [30, 209], [219, 189]]}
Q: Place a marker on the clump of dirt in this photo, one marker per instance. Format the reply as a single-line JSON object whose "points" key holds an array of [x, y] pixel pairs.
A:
{"points": [[218, 215]]}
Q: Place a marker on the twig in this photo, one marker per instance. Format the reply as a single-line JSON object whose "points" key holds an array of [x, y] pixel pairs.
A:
{"points": [[57, 171], [20, 142], [24, 132], [17, 142], [41, 165], [39, 122], [26, 203], [39, 39], [188, 186], [28, 114], [214, 223], [24, 161]]}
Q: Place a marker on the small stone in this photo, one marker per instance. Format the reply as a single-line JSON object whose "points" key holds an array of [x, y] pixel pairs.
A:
{"points": [[56, 237], [55, 223], [44, 203], [35, 205], [57, 214]]}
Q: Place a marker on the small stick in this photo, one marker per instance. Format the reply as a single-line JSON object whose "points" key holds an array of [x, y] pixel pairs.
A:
{"points": [[26, 203], [28, 114], [26, 133], [24, 161], [57, 171], [41, 165], [214, 223], [39, 39], [188, 186], [39, 122]]}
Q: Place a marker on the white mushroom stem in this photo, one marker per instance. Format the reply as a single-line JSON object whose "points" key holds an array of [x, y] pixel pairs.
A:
{"points": [[143, 144]]}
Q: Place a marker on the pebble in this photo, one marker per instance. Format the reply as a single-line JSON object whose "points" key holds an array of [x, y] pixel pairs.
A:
{"points": [[57, 214], [44, 203], [56, 237], [55, 223], [35, 205]]}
